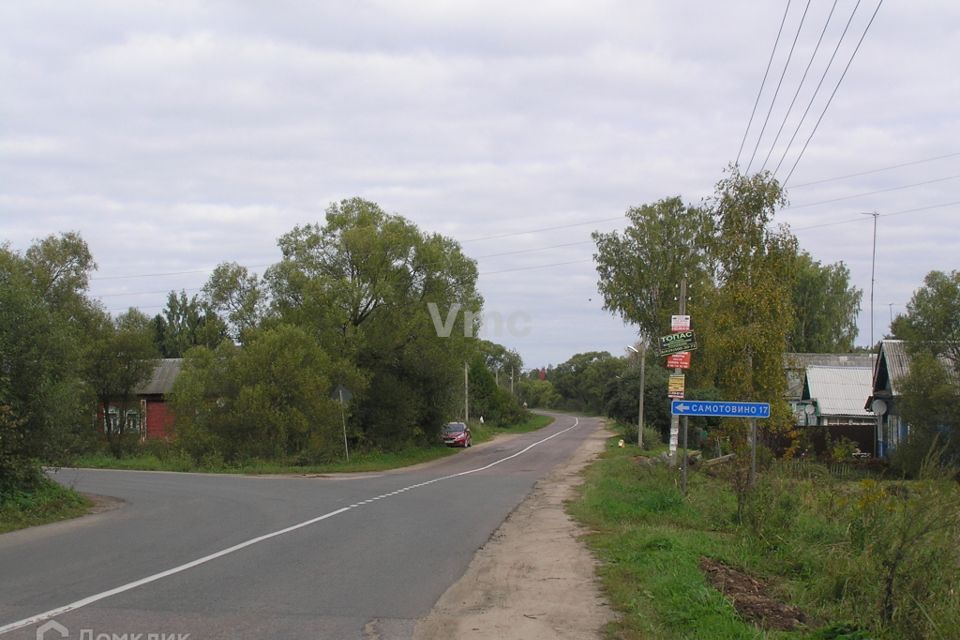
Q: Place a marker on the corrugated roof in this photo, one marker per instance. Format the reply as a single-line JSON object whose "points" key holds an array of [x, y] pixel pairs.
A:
{"points": [[840, 391], [898, 363], [161, 383], [796, 363]]}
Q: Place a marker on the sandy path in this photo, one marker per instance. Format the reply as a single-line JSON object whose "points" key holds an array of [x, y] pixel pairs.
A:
{"points": [[534, 579]]}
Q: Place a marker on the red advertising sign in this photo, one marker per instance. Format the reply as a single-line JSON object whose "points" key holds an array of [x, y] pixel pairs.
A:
{"points": [[679, 360]]}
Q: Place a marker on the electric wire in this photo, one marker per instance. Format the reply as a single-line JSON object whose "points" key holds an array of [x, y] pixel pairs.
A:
{"points": [[870, 193], [871, 171], [882, 215], [773, 101], [763, 82], [816, 91], [837, 86], [803, 79]]}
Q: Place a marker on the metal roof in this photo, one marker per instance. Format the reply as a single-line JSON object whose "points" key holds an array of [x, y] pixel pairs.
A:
{"points": [[796, 363], [897, 361], [161, 383], [839, 391]]}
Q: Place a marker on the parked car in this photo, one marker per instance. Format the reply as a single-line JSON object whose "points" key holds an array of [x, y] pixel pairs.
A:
{"points": [[456, 434]]}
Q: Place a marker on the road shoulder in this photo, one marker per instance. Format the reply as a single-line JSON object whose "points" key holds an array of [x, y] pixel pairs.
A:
{"points": [[534, 579]]}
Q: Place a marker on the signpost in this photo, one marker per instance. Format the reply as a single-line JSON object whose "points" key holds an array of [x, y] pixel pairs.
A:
{"points": [[720, 409], [677, 342]]}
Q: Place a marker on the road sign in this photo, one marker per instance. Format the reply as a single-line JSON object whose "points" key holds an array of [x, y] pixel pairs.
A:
{"points": [[677, 342], [679, 323], [679, 360], [717, 408], [675, 385]]}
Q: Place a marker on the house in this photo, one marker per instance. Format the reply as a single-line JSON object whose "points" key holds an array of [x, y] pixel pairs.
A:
{"points": [[157, 414], [885, 398], [151, 416], [833, 398], [795, 367]]}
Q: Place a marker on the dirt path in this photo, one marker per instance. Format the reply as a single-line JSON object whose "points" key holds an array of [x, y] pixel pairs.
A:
{"points": [[534, 579]]}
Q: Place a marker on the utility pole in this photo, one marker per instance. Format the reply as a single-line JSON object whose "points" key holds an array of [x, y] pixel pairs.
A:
{"points": [[675, 420], [466, 393], [643, 366], [873, 268], [512, 371], [643, 370]]}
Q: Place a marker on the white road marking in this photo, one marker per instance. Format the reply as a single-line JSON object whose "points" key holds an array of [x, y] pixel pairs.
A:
{"points": [[67, 608]]}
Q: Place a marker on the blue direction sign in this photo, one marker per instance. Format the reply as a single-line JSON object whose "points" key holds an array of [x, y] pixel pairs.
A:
{"points": [[720, 409]]}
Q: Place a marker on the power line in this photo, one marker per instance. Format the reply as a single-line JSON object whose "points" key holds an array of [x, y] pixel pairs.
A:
{"points": [[562, 226], [783, 73], [865, 173], [827, 106], [870, 193], [531, 268], [816, 91], [763, 82], [882, 215], [803, 79]]}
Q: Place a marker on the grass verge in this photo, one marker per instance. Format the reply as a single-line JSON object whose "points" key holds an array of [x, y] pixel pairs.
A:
{"points": [[171, 459], [49, 502], [859, 559]]}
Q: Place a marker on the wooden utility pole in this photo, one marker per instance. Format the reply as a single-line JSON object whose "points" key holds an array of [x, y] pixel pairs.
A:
{"points": [[466, 393], [675, 420]]}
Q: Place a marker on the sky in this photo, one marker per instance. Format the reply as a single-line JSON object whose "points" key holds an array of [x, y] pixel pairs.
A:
{"points": [[177, 135]]}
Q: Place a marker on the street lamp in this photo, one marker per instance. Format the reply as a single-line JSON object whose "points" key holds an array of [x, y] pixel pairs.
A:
{"points": [[643, 367]]}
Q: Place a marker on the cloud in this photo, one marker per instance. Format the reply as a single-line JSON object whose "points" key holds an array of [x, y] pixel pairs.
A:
{"points": [[177, 135]]}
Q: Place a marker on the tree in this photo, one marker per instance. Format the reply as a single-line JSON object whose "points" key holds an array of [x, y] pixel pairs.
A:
{"points": [[43, 310], [498, 358], [363, 284], [641, 267], [749, 313], [582, 380], [825, 307], [269, 399], [235, 293], [121, 358], [186, 323], [932, 321], [931, 390]]}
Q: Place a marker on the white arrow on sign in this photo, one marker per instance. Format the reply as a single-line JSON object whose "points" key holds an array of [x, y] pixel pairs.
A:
{"points": [[683, 407]]}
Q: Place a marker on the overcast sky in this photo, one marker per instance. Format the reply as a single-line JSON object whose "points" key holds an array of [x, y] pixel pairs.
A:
{"points": [[176, 135]]}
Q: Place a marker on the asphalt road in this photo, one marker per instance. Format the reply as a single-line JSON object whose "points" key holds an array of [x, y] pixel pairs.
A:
{"points": [[214, 556]]}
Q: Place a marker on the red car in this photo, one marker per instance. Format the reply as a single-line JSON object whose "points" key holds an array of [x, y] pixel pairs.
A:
{"points": [[456, 434]]}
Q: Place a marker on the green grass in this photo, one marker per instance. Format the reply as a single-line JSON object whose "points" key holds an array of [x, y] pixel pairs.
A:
{"points": [[359, 462], [50, 502], [650, 540], [822, 544], [363, 461], [486, 432]]}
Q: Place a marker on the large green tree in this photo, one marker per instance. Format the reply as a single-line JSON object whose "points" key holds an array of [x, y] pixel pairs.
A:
{"points": [[270, 399], [44, 312], [186, 323], [750, 312], [825, 307], [368, 286], [238, 297], [931, 391], [641, 267]]}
